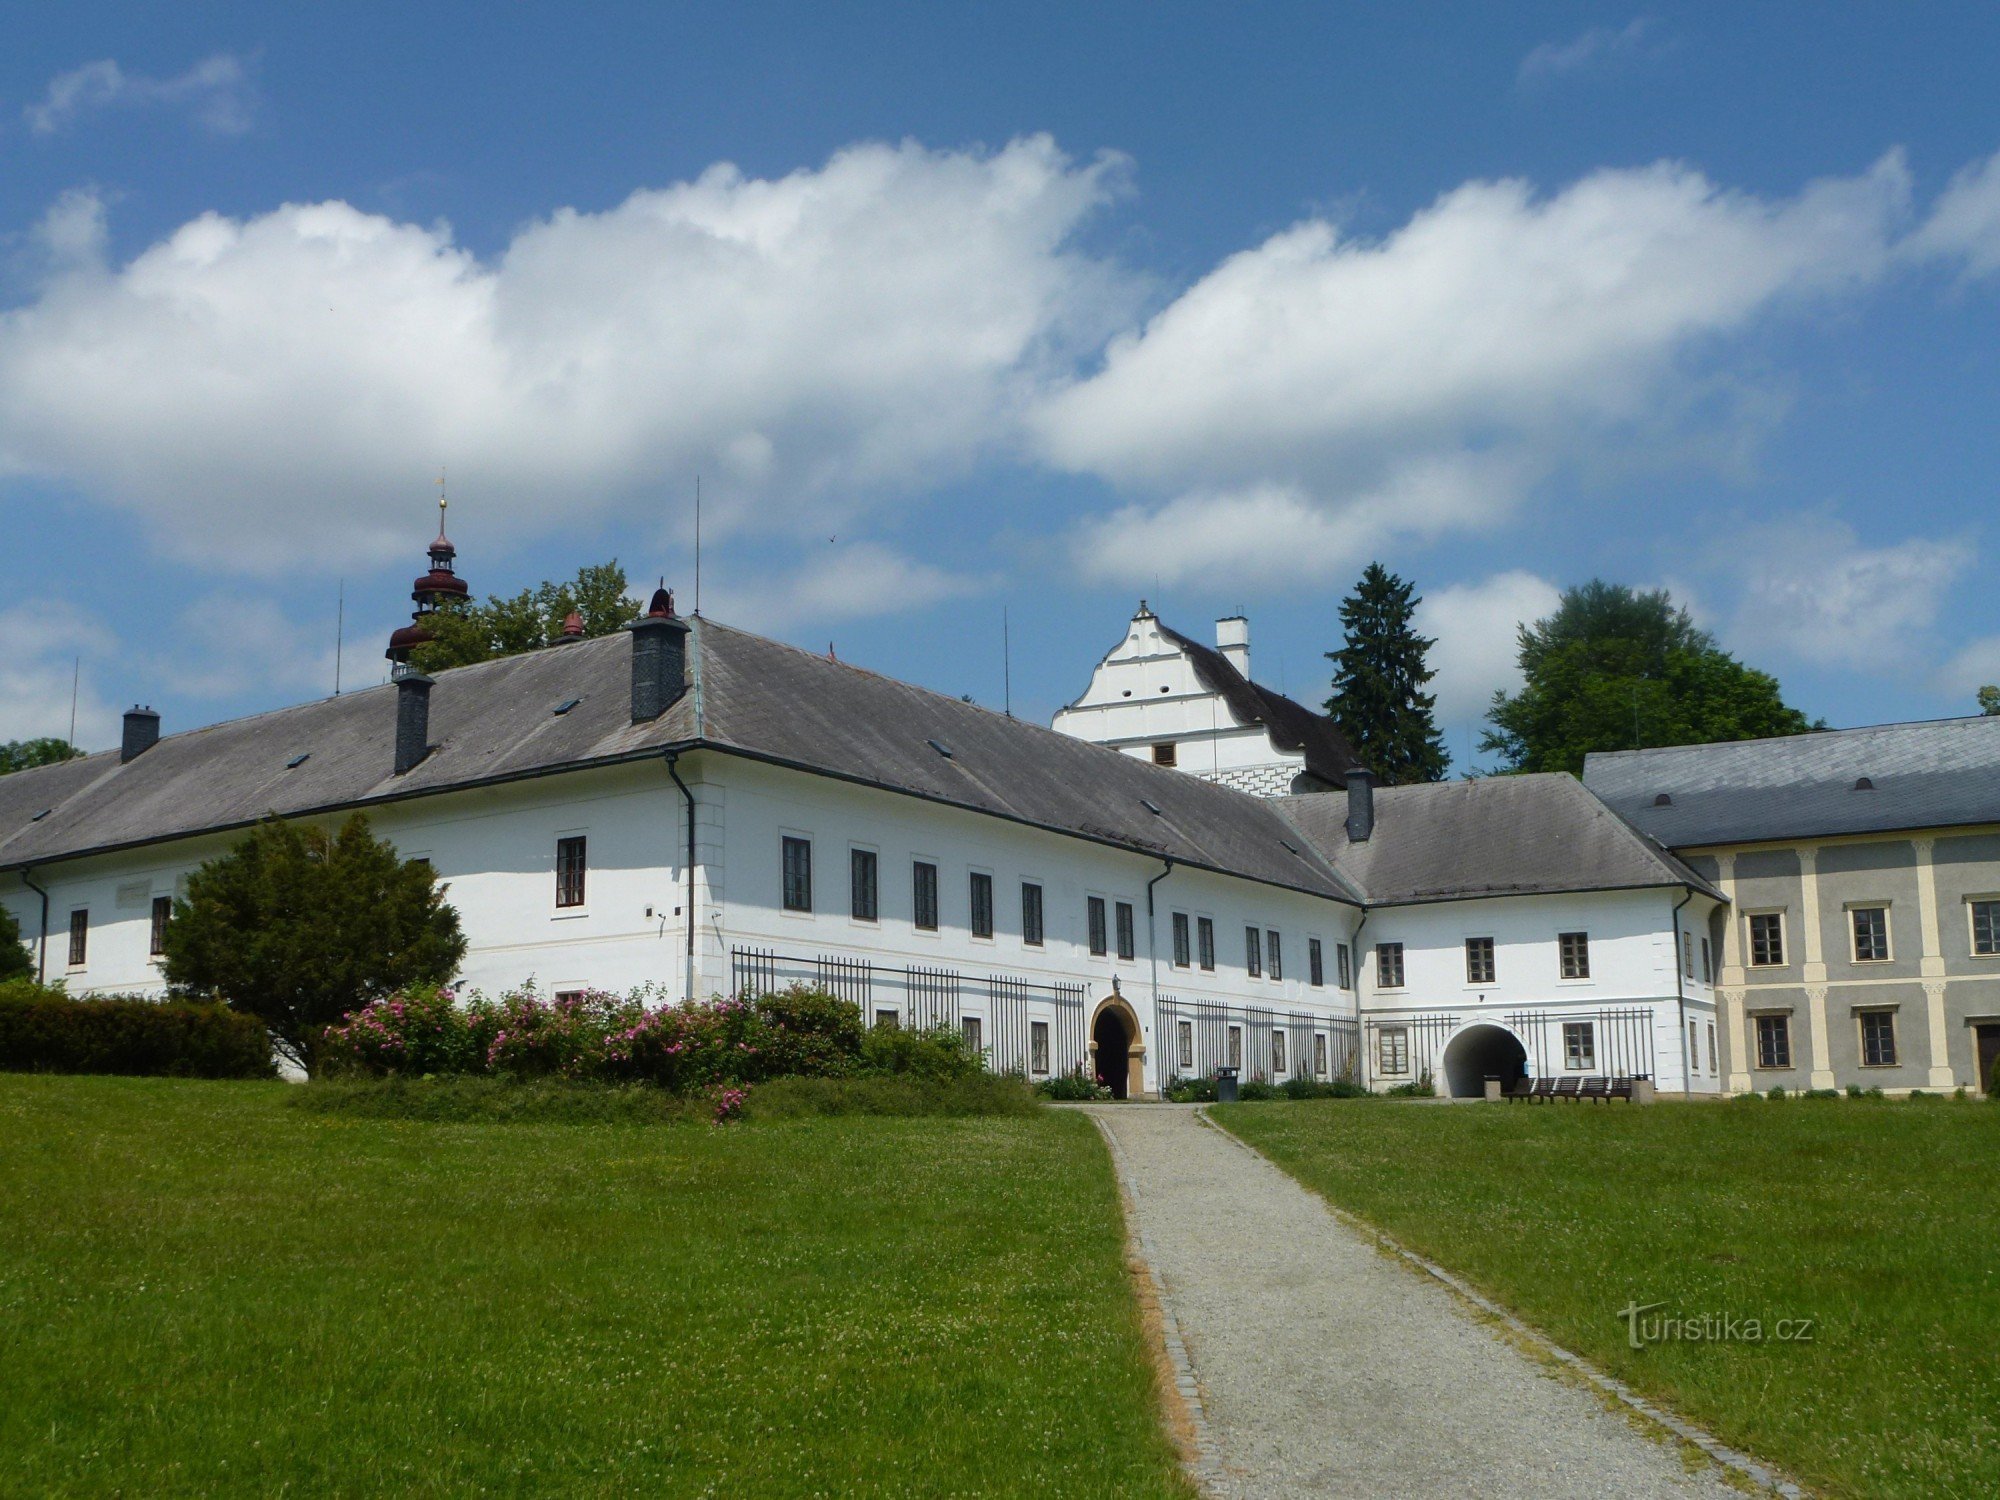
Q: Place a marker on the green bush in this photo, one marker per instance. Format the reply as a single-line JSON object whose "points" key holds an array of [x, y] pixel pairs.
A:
{"points": [[1191, 1090], [938, 1054], [1777, 1091], [810, 1033], [1314, 1088], [1423, 1088], [43, 1030], [892, 1094], [1820, 1094], [1072, 1088], [1254, 1090]]}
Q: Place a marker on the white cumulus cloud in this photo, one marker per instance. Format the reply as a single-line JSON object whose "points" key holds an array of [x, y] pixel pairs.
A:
{"points": [[1476, 627], [46, 646], [218, 92], [1596, 47]]}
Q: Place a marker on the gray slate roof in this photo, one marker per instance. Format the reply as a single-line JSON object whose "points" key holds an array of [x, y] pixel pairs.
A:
{"points": [[1934, 774], [1499, 836], [1293, 727]]}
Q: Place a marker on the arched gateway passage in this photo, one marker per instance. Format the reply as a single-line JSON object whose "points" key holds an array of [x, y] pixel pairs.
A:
{"points": [[1481, 1052], [1118, 1059]]}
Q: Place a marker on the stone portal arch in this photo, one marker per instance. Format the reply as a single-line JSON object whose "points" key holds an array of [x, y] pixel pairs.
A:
{"points": [[1117, 1047]]}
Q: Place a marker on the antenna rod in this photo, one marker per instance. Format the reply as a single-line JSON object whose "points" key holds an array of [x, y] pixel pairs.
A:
{"points": [[339, 633], [697, 544], [75, 677], [1006, 664]]}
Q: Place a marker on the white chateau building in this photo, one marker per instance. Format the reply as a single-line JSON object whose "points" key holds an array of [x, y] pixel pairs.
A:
{"points": [[696, 806]]}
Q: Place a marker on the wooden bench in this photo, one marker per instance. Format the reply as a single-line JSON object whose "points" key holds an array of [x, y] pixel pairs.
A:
{"points": [[1595, 1088], [1566, 1088]]}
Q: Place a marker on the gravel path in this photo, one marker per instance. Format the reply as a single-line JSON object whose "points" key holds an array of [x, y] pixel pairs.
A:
{"points": [[1324, 1368]]}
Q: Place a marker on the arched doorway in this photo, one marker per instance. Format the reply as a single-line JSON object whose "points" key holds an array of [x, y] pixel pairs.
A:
{"points": [[1117, 1056], [1481, 1052]]}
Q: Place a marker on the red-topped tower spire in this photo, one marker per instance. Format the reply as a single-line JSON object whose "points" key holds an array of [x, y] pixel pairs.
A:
{"points": [[437, 588]]}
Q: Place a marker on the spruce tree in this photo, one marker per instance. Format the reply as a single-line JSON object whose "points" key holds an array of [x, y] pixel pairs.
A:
{"points": [[1378, 699]]}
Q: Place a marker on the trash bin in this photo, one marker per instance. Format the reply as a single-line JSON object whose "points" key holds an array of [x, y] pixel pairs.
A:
{"points": [[1225, 1085]]}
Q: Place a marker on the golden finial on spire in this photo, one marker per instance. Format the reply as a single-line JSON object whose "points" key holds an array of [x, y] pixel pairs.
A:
{"points": [[442, 501]]}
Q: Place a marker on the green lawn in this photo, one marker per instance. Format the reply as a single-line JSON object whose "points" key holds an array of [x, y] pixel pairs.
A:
{"points": [[1879, 1220], [204, 1291]]}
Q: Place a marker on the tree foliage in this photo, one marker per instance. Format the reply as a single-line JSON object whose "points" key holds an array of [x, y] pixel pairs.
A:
{"points": [[526, 621], [20, 755], [14, 960], [1618, 669], [1378, 699], [299, 926], [1989, 700]]}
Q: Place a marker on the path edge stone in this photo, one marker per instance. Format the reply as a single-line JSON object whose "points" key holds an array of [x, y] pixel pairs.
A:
{"points": [[1742, 1464]]}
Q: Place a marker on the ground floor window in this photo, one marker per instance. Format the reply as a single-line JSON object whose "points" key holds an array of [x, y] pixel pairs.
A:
{"points": [[888, 1019], [1236, 1046], [974, 1041], [79, 937], [1579, 1045], [1392, 1047], [1277, 1052], [1038, 1046], [1714, 1062], [1878, 1039], [1694, 1047], [163, 913], [1319, 1054], [1774, 1041], [1184, 1043]]}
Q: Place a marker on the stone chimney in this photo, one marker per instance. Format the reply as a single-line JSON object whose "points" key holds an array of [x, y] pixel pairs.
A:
{"points": [[142, 732], [1360, 805], [659, 658], [413, 720], [1232, 639]]}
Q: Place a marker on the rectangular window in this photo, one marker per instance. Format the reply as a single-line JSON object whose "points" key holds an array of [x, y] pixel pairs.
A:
{"points": [[1575, 950], [1714, 1062], [570, 864], [1277, 1051], [1184, 1044], [1038, 1046], [1774, 1041], [1767, 940], [1579, 1045], [863, 893], [1479, 960], [1986, 928], [1183, 948], [1094, 908], [1166, 753], [1204, 931], [1343, 962], [1031, 914], [982, 904], [1389, 965], [1274, 955], [79, 937], [1319, 1054], [1871, 934], [888, 1020], [1687, 954], [1392, 1049], [1878, 1039], [1128, 942], [923, 895], [970, 1028], [1236, 1046], [1253, 952], [1315, 963], [798, 874], [1694, 1047], [1707, 964], [163, 913]]}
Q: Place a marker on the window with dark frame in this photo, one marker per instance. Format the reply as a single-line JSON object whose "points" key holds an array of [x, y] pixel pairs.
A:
{"points": [[1986, 928], [1315, 964], [1767, 939], [1031, 914], [1183, 944], [1871, 934], [1479, 960], [971, 1029], [1274, 955], [1319, 1054], [1579, 1046], [1235, 1053], [1094, 911], [923, 895], [1038, 1046], [1392, 1049], [1694, 1047], [1166, 753], [163, 913], [798, 861], [1343, 963], [1878, 1038], [1128, 942], [1714, 1058], [1575, 950], [981, 894], [571, 863], [1687, 954], [79, 937], [1774, 1041], [1204, 931], [1277, 1051], [888, 1020], [864, 894], [1389, 965], [1707, 963], [1253, 952], [1184, 1044]]}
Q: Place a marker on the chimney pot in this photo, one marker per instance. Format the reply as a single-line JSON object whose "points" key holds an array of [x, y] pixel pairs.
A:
{"points": [[142, 732], [1360, 805], [413, 720]]}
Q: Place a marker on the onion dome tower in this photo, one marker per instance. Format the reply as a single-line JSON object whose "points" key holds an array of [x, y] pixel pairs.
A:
{"points": [[440, 587]]}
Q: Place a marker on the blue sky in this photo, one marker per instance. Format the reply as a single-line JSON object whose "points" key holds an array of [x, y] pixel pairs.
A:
{"points": [[960, 309]]}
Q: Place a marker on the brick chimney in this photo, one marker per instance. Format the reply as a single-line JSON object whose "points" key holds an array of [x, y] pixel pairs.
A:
{"points": [[142, 732], [1360, 805], [659, 658], [413, 720]]}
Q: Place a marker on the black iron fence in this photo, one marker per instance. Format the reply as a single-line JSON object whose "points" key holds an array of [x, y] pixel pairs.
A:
{"points": [[1408, 1049], [1195, 1037], [1617, 1043], [1008, 1008]]}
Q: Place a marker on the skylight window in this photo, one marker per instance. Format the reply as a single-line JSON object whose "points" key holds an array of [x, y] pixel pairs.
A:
{"points": [[941, 748], [298, 760], [1151, 806], [41, 815], [565, 706]]}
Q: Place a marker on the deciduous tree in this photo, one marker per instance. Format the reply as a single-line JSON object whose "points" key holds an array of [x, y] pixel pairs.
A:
{"points": [[19, 755], [14, 960], [526, 621]]}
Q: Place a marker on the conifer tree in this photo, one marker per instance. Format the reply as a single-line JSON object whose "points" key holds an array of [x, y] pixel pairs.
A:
{"points": [[1378, 699]]}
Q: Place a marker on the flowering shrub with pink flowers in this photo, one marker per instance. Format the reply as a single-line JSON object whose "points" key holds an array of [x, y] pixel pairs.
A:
{"points": [[421, 1030]]}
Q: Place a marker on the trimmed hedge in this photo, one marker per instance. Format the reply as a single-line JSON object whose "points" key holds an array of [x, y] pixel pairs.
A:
{"points": [[45, 1031]]}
